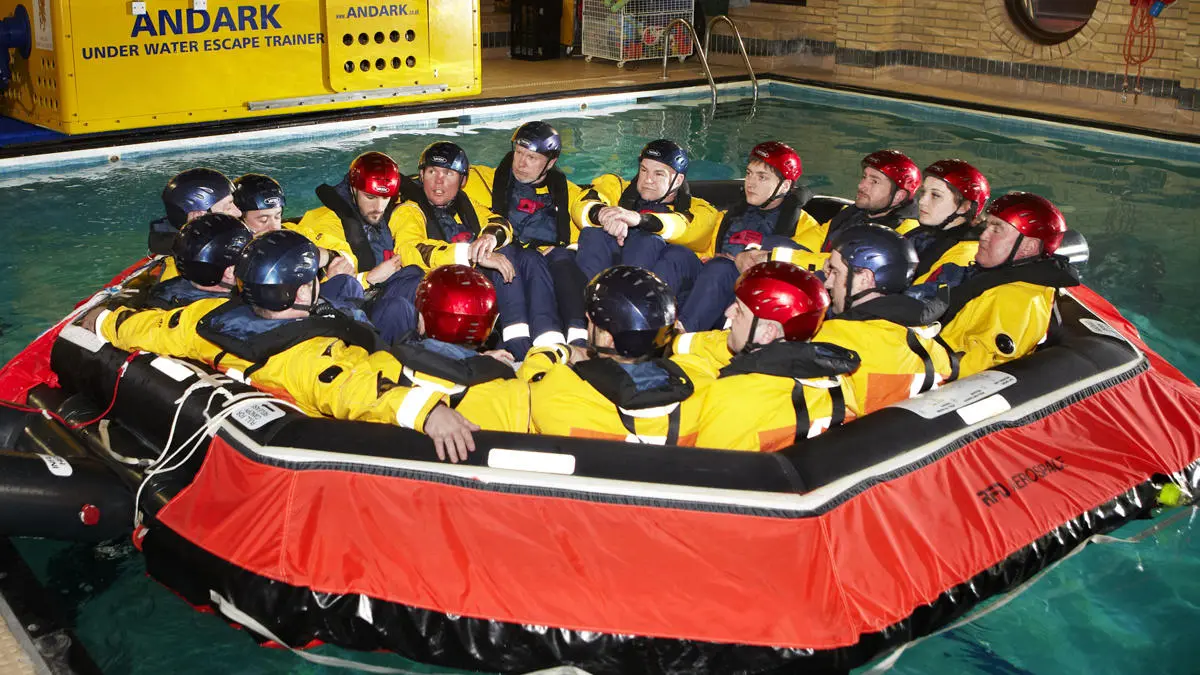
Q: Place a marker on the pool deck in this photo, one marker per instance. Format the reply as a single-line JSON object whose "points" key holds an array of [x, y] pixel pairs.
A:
{"points": [[14, 660], [503, 77]]}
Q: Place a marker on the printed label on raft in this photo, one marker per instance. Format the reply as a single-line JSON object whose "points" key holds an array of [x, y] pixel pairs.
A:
{"points": [[947, 399], [57, 465], [257, 415], [1100, 328], [1000, 490]]}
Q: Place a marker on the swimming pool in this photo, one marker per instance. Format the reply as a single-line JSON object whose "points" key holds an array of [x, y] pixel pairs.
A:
{"points": [[73, 222]]}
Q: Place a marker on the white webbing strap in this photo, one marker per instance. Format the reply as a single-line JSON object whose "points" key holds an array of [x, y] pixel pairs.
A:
{"points": [[237, 616], [248, 622]]}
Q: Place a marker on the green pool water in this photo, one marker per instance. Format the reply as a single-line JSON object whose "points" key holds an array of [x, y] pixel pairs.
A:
{"points": [[67, 227]]}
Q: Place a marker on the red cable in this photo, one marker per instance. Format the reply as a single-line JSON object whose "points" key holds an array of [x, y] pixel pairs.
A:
{"points": [[77, 425], [1142, 38]]}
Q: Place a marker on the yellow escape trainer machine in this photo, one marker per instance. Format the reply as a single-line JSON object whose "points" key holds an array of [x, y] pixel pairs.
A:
{"points": [[81, 66]]}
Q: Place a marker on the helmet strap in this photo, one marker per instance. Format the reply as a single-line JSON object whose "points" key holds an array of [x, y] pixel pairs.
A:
{"points": [[954, 215], [850, 296], [774, 193], [889, 207], [226, 285], [1016, 245], [750, 345], [671, 187], [312, 303]]}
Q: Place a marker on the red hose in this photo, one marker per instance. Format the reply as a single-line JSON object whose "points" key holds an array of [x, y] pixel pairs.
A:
{"points": [[1140, 43], [77, 425]]}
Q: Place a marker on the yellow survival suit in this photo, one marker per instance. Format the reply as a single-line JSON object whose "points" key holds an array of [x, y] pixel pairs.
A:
{"points": [[775, 395], [688, 221], [1003, 313]]}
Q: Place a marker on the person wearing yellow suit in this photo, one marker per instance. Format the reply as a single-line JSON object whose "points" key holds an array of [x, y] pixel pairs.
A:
{"points": [[652, 222], [895, 335], [780, 388], [885, 196], [1001, 307], [534, 195], [620, 387], [355, 226], [770, 224], [261, 200], [187, 196], [204, 254], [278, 336], [952, 198], [456, 310], [441, 225]]}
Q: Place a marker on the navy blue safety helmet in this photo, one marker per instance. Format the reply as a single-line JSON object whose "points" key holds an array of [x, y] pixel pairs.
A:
{"points": [[539, 137], [446, 155], [275, 265], [256, 192], [667, 152], [194, 190], [635, 306], [880, 249], [205, 247]]}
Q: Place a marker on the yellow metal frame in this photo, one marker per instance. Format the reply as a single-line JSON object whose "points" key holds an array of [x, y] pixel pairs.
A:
{"points": [[96, 66]]}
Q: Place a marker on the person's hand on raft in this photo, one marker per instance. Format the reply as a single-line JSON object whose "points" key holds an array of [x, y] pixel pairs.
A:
{"points": [[451, 434]]}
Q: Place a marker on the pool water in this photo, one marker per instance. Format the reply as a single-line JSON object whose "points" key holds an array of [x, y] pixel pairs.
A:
{"points": [[1112, 609]]}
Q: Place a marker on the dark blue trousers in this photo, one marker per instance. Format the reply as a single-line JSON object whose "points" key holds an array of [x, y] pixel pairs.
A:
{"points": [[527, 305], [712, 291], [674, 264]]}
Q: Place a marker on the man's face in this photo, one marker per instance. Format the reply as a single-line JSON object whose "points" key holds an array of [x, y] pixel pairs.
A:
{"points": [[740, 318], [227, 207], [835, 281], [762, 182], [654, 179], [874, 191], [996, 242], [264, 220], [938, 202], [528, 166], [440, 184], [371, 206]]}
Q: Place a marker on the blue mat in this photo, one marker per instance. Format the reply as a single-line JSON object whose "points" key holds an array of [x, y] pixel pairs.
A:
{"points": [[16, 132]]}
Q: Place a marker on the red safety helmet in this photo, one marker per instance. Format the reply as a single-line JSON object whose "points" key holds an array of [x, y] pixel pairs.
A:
{"points": [[458, 304], [783, 292], [965, 179], [1033, 216], [778, 156], [897, 166], [376, 174]]}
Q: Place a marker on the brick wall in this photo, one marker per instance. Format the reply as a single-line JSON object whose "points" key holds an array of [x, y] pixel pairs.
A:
{"points": [[977, 38]]}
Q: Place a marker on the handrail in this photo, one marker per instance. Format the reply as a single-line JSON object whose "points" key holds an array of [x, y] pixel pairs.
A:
{"points": [[737, 34], [699, 50]]}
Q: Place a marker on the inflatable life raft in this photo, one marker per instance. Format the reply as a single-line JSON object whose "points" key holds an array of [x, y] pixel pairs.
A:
{"points": [[616, 557]]}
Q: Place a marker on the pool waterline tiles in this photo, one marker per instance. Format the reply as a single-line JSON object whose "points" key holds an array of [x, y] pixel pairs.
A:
{"points": [[730, 93]]}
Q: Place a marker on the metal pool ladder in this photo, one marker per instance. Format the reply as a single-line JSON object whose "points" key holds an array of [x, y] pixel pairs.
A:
{"points": [[702, 51], [737, 34]]}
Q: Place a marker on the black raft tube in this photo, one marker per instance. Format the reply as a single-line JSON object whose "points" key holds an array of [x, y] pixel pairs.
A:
{"points": [[52, 486]]}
